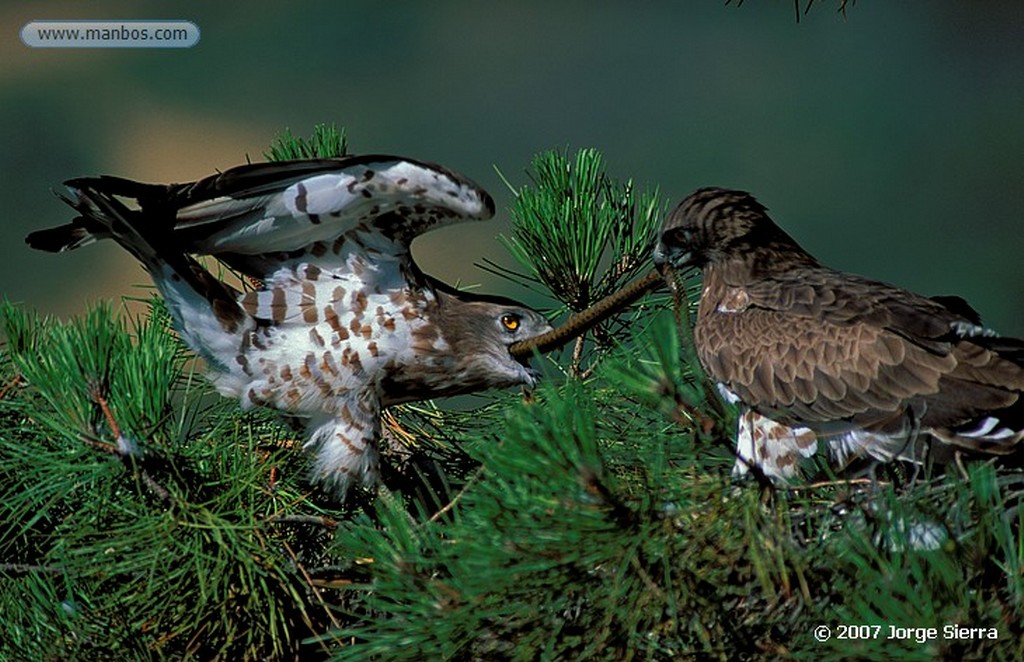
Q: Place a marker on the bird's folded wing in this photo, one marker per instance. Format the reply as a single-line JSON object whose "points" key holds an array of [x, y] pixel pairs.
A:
{"points": [[802, 370], [859, 353]]}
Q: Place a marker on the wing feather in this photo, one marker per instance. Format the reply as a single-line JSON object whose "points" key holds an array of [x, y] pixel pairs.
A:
{"points": [[270, 209], [864, 353]]}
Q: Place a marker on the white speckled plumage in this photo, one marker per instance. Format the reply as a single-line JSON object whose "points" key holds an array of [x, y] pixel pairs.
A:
{"points": [[344, 323]]}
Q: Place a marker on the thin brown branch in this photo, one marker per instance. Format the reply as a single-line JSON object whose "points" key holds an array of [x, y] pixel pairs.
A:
{"points": [[121, 449], [317, 520], [98, 398], [451, 504], [312, 585], [577, 357], [583, 321]]}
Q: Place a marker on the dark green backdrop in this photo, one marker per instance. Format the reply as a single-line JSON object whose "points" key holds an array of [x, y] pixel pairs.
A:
{"points": [[890, 143]]}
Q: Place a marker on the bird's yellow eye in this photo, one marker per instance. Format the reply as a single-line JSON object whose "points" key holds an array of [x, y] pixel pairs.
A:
{"points": [[510, 322]]}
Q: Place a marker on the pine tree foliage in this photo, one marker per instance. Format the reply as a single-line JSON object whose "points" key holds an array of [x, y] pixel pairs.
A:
{"points": [[581, 235], [144, 517], [137, 515], [327, 141]]}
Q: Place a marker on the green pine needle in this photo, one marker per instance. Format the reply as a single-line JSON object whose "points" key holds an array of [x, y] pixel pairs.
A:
{"points": [[326, 142], [580, 232]]}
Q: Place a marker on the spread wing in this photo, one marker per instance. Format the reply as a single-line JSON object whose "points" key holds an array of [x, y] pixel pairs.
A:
{"points": [[834, 352], [255, 216]]}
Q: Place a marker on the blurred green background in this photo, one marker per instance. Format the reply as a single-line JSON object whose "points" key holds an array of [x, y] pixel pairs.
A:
{"points": [[889, 143]]}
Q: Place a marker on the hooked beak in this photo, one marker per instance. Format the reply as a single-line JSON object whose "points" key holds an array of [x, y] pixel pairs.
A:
{"points": [[665, 256]]}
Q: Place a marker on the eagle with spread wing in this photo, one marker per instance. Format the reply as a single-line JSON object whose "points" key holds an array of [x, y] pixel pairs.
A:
{"points": [[813, 353], [344, 323]]}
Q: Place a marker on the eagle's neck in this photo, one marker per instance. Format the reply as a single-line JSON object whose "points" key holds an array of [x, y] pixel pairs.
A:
{"points": [[745, 262]]}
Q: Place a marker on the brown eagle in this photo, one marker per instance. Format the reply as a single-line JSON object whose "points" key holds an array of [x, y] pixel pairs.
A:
{"points": [[813, 353]]}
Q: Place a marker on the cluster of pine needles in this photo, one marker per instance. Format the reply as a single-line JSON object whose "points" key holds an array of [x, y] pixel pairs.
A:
{"points": [[143, 517]]}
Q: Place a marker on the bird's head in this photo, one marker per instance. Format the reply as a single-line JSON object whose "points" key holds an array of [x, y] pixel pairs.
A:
{"points": [[481, 331], [714, 225]]}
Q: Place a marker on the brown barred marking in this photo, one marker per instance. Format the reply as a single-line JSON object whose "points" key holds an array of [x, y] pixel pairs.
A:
{"points": [[353, 448], [316, 338], [308, 299], [350, 358], [286, 372], [278, 305], [306, 369], [329, 365], [257, 338], [326, 390], [332, 319], [318, 249], [251, 302], [359, 302], [345, 414], [374, 351], [227, 314]]}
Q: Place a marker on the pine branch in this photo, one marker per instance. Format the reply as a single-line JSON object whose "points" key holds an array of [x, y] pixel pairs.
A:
{"points": [[583, 236]]}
